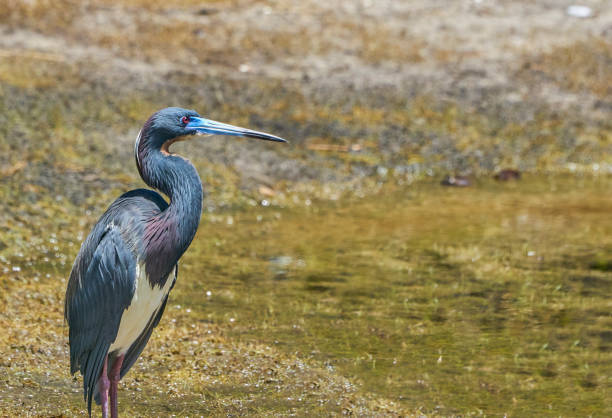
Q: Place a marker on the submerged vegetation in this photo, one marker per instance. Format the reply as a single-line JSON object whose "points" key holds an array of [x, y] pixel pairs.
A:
{"points": [[335, 275], [415, 300]]}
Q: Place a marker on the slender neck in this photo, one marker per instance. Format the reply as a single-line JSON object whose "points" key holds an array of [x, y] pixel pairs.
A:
{"points": [[178, 179], [170, 232]]}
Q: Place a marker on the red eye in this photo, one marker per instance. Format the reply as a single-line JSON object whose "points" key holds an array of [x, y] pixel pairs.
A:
{"points": [[185, 120]]}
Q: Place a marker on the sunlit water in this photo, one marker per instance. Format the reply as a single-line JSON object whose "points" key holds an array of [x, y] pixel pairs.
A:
{"points": [[492, 298]]}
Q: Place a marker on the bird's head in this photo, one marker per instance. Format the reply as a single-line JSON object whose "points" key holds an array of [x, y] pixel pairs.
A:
{"points": [[173, 124]]}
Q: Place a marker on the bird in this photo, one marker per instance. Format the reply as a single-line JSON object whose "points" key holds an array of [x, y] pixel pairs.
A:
{"points": [[128, 264]]}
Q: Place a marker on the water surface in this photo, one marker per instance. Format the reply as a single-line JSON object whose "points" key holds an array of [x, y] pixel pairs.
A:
{"points": [[493, 298]]}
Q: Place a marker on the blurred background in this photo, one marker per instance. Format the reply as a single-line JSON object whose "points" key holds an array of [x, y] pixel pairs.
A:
{"points": [[337, 274]]}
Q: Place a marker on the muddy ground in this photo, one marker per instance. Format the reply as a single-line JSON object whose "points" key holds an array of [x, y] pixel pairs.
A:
{"points": [[417, 85]]}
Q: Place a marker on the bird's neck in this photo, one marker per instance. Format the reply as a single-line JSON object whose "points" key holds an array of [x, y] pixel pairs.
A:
{"points": [[184, 188], [171, 231]]}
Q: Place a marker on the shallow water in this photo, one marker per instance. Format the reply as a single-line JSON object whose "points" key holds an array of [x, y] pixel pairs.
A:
{"points": [[493, 298]]}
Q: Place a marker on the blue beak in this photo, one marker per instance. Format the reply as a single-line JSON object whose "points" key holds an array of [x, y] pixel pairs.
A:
{"points": [[207, 126]]}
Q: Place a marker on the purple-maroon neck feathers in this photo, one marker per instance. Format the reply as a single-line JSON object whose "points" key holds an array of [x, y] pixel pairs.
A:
{"points": [[168, 234]]}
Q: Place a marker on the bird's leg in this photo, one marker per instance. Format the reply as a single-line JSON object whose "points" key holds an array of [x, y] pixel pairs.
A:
{"points": [[103, 385], [115, 374]]}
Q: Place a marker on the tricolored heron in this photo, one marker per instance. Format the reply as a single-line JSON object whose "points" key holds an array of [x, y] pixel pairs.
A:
{"points": [[121, 278]]}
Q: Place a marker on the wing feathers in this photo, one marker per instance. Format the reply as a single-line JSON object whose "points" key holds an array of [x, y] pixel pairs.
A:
{"points": [[95, 307], [102, 282]]}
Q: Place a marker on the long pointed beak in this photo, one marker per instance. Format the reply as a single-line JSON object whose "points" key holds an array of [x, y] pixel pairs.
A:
{"points": [[207, 126]]}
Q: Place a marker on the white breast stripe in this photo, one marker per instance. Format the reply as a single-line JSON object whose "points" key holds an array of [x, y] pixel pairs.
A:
{"points": [[145, 303], [136, 149]]}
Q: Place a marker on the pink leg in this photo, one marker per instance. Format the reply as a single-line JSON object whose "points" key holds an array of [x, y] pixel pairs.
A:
{"points": [[103, 385], [114, 381]]}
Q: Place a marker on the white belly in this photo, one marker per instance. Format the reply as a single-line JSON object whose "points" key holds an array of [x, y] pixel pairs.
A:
{"points": [[145, 303]]}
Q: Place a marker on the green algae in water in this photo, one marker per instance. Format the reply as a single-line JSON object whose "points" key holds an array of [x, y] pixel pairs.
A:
{"points": [[452, 301], [420, 299]]}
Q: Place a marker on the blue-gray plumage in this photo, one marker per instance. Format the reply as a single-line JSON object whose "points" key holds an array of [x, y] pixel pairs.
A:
{"points": [[119, 284]]}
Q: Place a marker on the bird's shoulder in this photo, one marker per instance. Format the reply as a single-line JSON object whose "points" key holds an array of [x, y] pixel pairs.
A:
{"points": [[144, 199], [128, 215], [122, 224]]}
